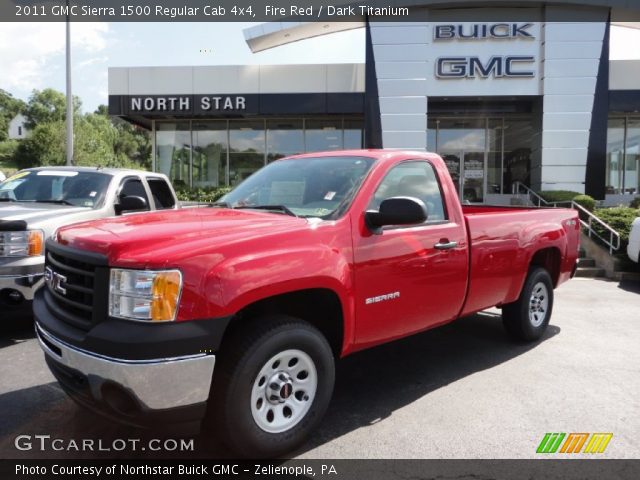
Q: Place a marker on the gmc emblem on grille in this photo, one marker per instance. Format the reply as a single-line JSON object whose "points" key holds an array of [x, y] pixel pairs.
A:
{"points": [[55, 280]]}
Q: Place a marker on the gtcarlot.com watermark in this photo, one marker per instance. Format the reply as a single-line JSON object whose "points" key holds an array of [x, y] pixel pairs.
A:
{"points": [[45, 443]]}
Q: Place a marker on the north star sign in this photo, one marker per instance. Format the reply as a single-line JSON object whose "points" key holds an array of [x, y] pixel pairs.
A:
{"points": [[177, 103], [498, 66]]}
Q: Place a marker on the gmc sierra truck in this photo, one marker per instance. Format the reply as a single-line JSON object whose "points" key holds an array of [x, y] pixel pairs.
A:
{"points": [[310, 259], [36, 201]]}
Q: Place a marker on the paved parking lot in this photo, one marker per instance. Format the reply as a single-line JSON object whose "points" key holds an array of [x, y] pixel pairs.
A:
{"points": [[461, 391]]}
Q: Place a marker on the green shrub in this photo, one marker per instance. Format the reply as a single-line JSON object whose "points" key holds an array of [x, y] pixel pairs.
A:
{"points": [[635, 203], [201, 194], [585, 201], [558, 195], [620, 219]]}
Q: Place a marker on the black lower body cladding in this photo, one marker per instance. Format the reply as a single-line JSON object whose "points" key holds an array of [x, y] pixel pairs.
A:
{"points": [[132, 340]]}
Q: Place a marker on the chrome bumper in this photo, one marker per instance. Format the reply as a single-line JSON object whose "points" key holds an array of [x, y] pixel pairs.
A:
{"points": [[25, 284], [157, 384]]}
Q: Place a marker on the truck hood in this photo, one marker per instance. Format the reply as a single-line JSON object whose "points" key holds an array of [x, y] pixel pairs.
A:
{"points": [[36, 212], [161, 238]]}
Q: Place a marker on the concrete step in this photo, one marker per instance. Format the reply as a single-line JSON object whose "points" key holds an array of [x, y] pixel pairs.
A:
{"points": [[590, 272], [627, 276], [586, 262], [582, 253]]}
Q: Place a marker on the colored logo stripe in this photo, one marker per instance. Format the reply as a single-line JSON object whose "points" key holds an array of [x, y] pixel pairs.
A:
{"points": [[598, 442], [550, 443], [575, 441]]}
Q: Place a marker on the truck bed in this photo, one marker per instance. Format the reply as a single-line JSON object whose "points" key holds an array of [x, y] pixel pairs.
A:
{"points": [[502, 240]]}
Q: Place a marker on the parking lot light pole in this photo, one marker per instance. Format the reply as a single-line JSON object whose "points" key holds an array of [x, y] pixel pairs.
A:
{"points": [[69, 93]]}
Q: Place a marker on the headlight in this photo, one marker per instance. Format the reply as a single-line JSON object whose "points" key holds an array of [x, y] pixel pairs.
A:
{"points": [[145, 295], [27, 243]]}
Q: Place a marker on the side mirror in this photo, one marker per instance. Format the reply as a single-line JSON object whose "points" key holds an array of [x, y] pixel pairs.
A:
{"points": [[396, 211], [131, 203]]}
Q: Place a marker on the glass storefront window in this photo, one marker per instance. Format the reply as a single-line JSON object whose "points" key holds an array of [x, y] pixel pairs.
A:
{"points": [[494, 155], [461, 134], [502, 146], [615, 152], [623, 155], [246, 148], [218, 152], [518, 135], [321, 135], [352, 134], [632, 157], [284, 138], [209, 153], [173, 151]]}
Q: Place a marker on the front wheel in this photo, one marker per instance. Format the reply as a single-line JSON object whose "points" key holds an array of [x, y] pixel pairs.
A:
{"points": [[273, 386], [527, 318]]}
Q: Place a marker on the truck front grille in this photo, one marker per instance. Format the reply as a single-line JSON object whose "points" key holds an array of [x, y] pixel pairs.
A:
{"points": [[76, 285]]}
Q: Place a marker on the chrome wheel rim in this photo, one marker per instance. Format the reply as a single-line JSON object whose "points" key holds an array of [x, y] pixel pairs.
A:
{"points": [[283, 391], [538, 304]]}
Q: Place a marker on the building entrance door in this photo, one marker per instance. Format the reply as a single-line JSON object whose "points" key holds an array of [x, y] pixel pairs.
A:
{"points": [[467, 169]]}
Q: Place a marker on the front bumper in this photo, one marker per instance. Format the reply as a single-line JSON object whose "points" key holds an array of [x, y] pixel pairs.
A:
{"points": [[136, 392], [25, 284]]}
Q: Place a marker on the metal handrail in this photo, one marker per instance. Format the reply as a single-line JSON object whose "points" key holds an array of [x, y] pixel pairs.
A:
{"points": [[517, 186], [614, 237], [588, 225]]}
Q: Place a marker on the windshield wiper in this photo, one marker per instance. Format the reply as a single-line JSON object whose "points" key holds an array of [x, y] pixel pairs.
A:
{"points": [[220, 204], [276, 208], [58, 202]]}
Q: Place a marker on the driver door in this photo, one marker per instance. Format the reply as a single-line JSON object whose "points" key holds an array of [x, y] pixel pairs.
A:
{"points": [[410, 277]]}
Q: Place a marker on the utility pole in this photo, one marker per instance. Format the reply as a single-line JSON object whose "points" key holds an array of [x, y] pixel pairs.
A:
{"points": [[69, 94]]}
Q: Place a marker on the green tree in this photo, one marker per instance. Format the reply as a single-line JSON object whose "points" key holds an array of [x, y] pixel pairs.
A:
{"points": [[97, 142], [9, 108], [45, 145], [46, 106]]}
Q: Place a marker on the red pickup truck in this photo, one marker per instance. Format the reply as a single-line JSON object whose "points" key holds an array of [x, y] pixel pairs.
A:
{"points": [[310, 259]]}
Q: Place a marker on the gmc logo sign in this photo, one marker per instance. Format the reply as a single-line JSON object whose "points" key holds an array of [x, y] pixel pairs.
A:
{"points": [[54, 280], [472, 67]]}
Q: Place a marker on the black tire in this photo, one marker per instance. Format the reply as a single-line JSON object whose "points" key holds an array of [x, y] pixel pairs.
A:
{"points": [[516, 317], [242, 359]]}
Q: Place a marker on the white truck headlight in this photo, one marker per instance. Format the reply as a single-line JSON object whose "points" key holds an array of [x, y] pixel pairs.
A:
{"points": [[145, 295], [27, 243]]}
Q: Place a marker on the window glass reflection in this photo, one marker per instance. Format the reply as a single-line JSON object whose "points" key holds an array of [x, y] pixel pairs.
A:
{"points": [[173, 151], [353, 134], [209, 153], [284, 138], [323, 135], [246, 148], [615, 154]]}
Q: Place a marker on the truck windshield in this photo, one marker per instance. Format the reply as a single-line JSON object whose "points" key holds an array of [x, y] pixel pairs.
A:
{"points": [[66, 187], [305, 187]]}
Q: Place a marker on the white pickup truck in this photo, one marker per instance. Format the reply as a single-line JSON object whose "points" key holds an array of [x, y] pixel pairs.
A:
{"points": [[35, 202], [633, 249]]}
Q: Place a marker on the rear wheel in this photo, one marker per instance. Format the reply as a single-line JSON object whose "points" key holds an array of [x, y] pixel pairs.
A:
{"points": [[272, 386], [527, 318]]}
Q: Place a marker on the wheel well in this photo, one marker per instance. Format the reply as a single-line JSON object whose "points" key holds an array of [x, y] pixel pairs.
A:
{"points": [[320, 307], [549, 259]]}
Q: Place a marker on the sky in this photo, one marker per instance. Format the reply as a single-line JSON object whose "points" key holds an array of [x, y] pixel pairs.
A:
{"points": [[32, 54]]}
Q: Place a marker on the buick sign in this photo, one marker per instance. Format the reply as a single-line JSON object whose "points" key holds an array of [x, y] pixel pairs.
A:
{"points": [[481, 31]]}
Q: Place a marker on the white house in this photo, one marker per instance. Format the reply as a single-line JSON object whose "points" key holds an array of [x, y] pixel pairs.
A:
{"points": [[17, 130]]}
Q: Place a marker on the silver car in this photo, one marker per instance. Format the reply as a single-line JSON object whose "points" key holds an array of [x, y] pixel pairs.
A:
{"points": [[35, 202]]}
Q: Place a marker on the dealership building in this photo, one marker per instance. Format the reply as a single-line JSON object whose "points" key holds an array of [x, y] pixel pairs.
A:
{"points": [[504, 95]]}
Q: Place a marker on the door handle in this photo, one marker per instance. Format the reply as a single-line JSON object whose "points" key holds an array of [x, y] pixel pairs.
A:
{"points": [[445, 245]]}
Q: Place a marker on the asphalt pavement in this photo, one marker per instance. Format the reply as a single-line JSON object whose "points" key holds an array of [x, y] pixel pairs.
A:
{"points": [[460, 391]]}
